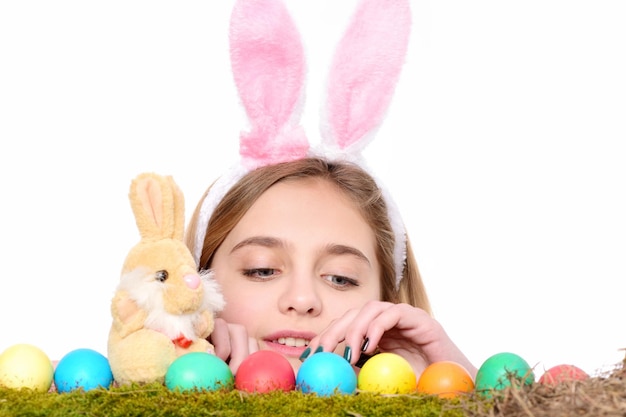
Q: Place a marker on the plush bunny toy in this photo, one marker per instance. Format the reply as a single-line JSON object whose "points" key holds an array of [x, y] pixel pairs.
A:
{"points": [[162, 307]]}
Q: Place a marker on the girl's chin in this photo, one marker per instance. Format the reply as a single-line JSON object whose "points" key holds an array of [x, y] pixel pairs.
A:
{"points": [[292, 353], [295, 364]]}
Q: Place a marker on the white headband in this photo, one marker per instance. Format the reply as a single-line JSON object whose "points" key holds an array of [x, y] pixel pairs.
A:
{"points": [[268, 65]]}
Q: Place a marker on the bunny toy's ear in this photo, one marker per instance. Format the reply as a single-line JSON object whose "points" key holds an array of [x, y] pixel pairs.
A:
{"points": [[267, 61], [178, 208], [364, 72], [158, 205]]}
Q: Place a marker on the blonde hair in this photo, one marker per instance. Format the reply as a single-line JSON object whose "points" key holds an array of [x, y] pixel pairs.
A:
{"points": [[357, 184]]}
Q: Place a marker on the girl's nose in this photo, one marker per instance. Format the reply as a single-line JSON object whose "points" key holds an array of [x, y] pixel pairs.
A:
{"points": [[301, 296]]}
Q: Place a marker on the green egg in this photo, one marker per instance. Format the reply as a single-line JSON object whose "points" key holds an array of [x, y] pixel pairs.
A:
{"points": [[500, 370], [199, 371]]}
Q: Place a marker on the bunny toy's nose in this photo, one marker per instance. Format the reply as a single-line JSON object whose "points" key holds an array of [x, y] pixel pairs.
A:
{"points": [[192, 281]]}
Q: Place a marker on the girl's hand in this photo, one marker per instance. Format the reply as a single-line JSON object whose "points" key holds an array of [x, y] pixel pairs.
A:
{"points": [[232, 343], [398, 328]]}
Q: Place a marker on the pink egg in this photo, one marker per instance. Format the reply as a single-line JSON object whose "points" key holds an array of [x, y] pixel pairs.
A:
{"points": [[562, 373], [265, 371]]}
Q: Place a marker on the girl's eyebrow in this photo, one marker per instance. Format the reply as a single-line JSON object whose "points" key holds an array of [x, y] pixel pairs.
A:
{"points": [[346, 250], [272, 242], [266, 241]]}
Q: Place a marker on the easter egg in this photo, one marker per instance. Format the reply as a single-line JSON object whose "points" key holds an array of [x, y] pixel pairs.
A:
{"points": [[562, 373], [25, 366], [387, 373], [83, 369], [265, 371], [445, 379], [198, 371], [499, 370], [326, 373]]}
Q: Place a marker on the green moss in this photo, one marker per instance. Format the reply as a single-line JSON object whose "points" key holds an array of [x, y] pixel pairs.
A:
{"points": [[156, 400]]}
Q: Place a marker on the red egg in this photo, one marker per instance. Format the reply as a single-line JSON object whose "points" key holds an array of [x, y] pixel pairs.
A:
{"points": [[562, 373], [265, 371]]}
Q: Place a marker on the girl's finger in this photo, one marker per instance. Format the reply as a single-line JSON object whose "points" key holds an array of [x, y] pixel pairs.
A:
{"points": [[351, 328], [240, 345], [334, 333], [220, 338]]}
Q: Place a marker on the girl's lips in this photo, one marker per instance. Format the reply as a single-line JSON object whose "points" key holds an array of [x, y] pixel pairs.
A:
{"points": [[290, 351], [288, 343]]}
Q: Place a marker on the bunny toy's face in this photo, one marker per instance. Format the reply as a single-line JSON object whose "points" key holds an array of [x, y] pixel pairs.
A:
{"points": [[161, 276]]}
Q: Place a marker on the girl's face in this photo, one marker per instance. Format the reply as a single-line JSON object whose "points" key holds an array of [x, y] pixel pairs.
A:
{"points": [[299, 258]]}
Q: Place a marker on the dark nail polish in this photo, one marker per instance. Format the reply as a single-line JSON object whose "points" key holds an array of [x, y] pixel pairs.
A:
{"points": [[305, 354], [365, 344], [319, 349], [362, 359], [347, 353]]}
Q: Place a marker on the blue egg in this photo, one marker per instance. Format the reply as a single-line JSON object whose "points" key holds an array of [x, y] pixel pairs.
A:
{"points": [[82, 369], [326, 373]]}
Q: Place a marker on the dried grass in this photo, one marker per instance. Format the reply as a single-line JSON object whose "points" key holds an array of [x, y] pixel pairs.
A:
{"points": [[600, 396]]}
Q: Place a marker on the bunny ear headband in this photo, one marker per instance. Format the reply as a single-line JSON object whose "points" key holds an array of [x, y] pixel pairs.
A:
{"points": [[269, 69]]}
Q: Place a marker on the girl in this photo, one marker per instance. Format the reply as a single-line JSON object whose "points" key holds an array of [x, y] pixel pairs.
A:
{"points": [[309, 249], [304, 253]]}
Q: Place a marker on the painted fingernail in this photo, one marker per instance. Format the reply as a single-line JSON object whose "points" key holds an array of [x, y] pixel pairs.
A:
{"points": [[362, 359], [347, 353], [305, 354], [365, 344], [319, 349]]}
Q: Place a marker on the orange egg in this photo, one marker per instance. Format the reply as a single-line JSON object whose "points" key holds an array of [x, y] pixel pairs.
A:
{"points": [[446, 379]]}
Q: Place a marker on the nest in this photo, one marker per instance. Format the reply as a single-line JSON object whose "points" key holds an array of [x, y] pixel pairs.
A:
{"points": [[602, 395]]}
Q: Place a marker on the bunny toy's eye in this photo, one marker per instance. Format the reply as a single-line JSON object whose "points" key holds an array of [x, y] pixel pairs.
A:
{"points": [[161, 276]]}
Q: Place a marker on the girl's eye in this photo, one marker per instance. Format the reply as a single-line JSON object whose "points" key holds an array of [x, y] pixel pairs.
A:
{"points": [[260, 273], [341, 282]]}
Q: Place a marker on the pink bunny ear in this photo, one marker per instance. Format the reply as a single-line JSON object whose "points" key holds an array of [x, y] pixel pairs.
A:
{"points": [[267, 60], [364, 72]]}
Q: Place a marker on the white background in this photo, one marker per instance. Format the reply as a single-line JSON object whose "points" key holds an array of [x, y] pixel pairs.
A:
{"points": [[504, 147]]}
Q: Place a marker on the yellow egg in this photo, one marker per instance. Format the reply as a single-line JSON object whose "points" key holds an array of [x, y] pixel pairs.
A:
{"points": [[26, 366], [387, 373]]}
